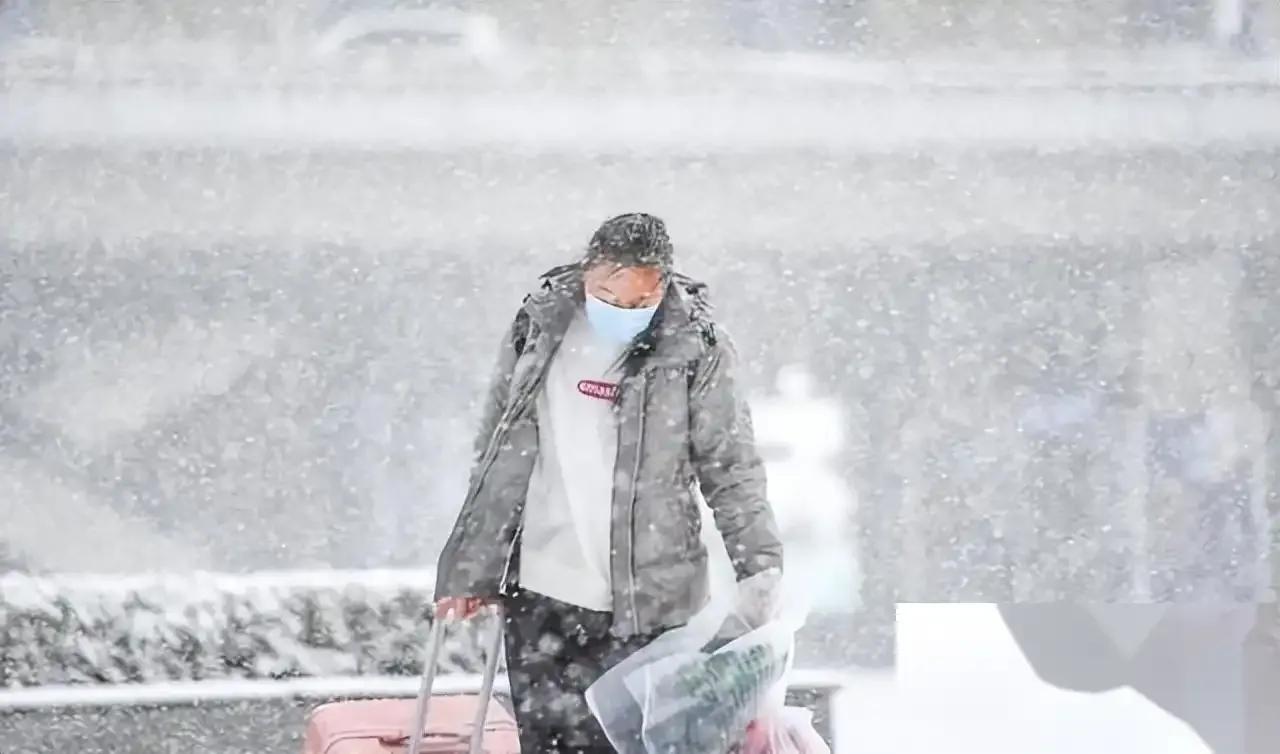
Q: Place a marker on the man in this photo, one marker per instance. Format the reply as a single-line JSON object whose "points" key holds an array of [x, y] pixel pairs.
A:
{"points": [[614, 400]]}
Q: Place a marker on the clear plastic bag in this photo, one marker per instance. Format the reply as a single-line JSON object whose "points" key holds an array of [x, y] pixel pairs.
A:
{"points": [[678, 695]]}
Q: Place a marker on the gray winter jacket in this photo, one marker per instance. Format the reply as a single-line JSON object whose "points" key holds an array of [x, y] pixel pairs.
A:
{"points": [[682, 425]]}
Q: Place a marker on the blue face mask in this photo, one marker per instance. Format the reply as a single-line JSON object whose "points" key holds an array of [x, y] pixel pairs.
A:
{"points": [[616, 324]]}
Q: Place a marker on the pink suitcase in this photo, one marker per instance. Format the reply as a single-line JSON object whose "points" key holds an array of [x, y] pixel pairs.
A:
{"points": [[455, 723]]}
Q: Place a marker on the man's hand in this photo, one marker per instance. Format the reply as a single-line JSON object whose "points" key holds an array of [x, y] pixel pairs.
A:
{"points": [[460, 607]]}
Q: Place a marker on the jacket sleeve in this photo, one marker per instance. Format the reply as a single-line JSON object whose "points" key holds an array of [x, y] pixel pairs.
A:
{"points": [[452, 578], [495, 399], [730, 471]]}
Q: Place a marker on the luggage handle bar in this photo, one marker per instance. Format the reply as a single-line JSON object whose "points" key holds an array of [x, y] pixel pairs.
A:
{"points": [[429, 677]]}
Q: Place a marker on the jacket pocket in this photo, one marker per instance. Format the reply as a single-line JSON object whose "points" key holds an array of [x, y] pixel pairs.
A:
{"points": [[675, 536]]}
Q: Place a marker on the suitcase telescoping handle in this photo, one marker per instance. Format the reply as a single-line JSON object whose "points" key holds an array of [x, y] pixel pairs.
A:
{"points": [[429, 677]]}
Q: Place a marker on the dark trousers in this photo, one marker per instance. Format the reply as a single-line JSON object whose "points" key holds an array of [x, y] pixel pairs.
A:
{"points": [[554, 652]]}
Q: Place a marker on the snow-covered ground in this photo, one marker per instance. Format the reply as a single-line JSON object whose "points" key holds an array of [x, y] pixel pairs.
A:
{"points": [[963, 687]]}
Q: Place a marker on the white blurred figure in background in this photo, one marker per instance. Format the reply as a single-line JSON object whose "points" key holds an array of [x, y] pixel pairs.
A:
{"points": [[800, 435]]}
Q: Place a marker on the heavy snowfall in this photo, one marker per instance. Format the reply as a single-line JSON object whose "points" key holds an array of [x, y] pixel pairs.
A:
{"points": [[1004, 279]]}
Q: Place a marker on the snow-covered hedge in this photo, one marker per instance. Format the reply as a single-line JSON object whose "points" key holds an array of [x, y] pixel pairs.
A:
{"points": [[64, 629]]}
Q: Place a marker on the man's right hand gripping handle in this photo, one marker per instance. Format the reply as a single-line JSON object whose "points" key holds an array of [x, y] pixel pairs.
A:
{"points": [[460, 608]]}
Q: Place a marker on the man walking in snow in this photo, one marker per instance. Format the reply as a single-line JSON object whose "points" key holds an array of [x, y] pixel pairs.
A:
{"points": [[614, 404]]}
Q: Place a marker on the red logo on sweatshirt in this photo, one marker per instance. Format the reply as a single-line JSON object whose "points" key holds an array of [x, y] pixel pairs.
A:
{"points": [[605, 391]]}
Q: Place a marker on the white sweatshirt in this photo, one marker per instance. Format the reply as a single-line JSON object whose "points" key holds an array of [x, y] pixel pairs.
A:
{"points": [[564, 551]]}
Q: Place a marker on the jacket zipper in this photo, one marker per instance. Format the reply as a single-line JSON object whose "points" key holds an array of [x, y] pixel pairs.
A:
{"points": [[511, 546], [631, 514], [511, 552]]}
